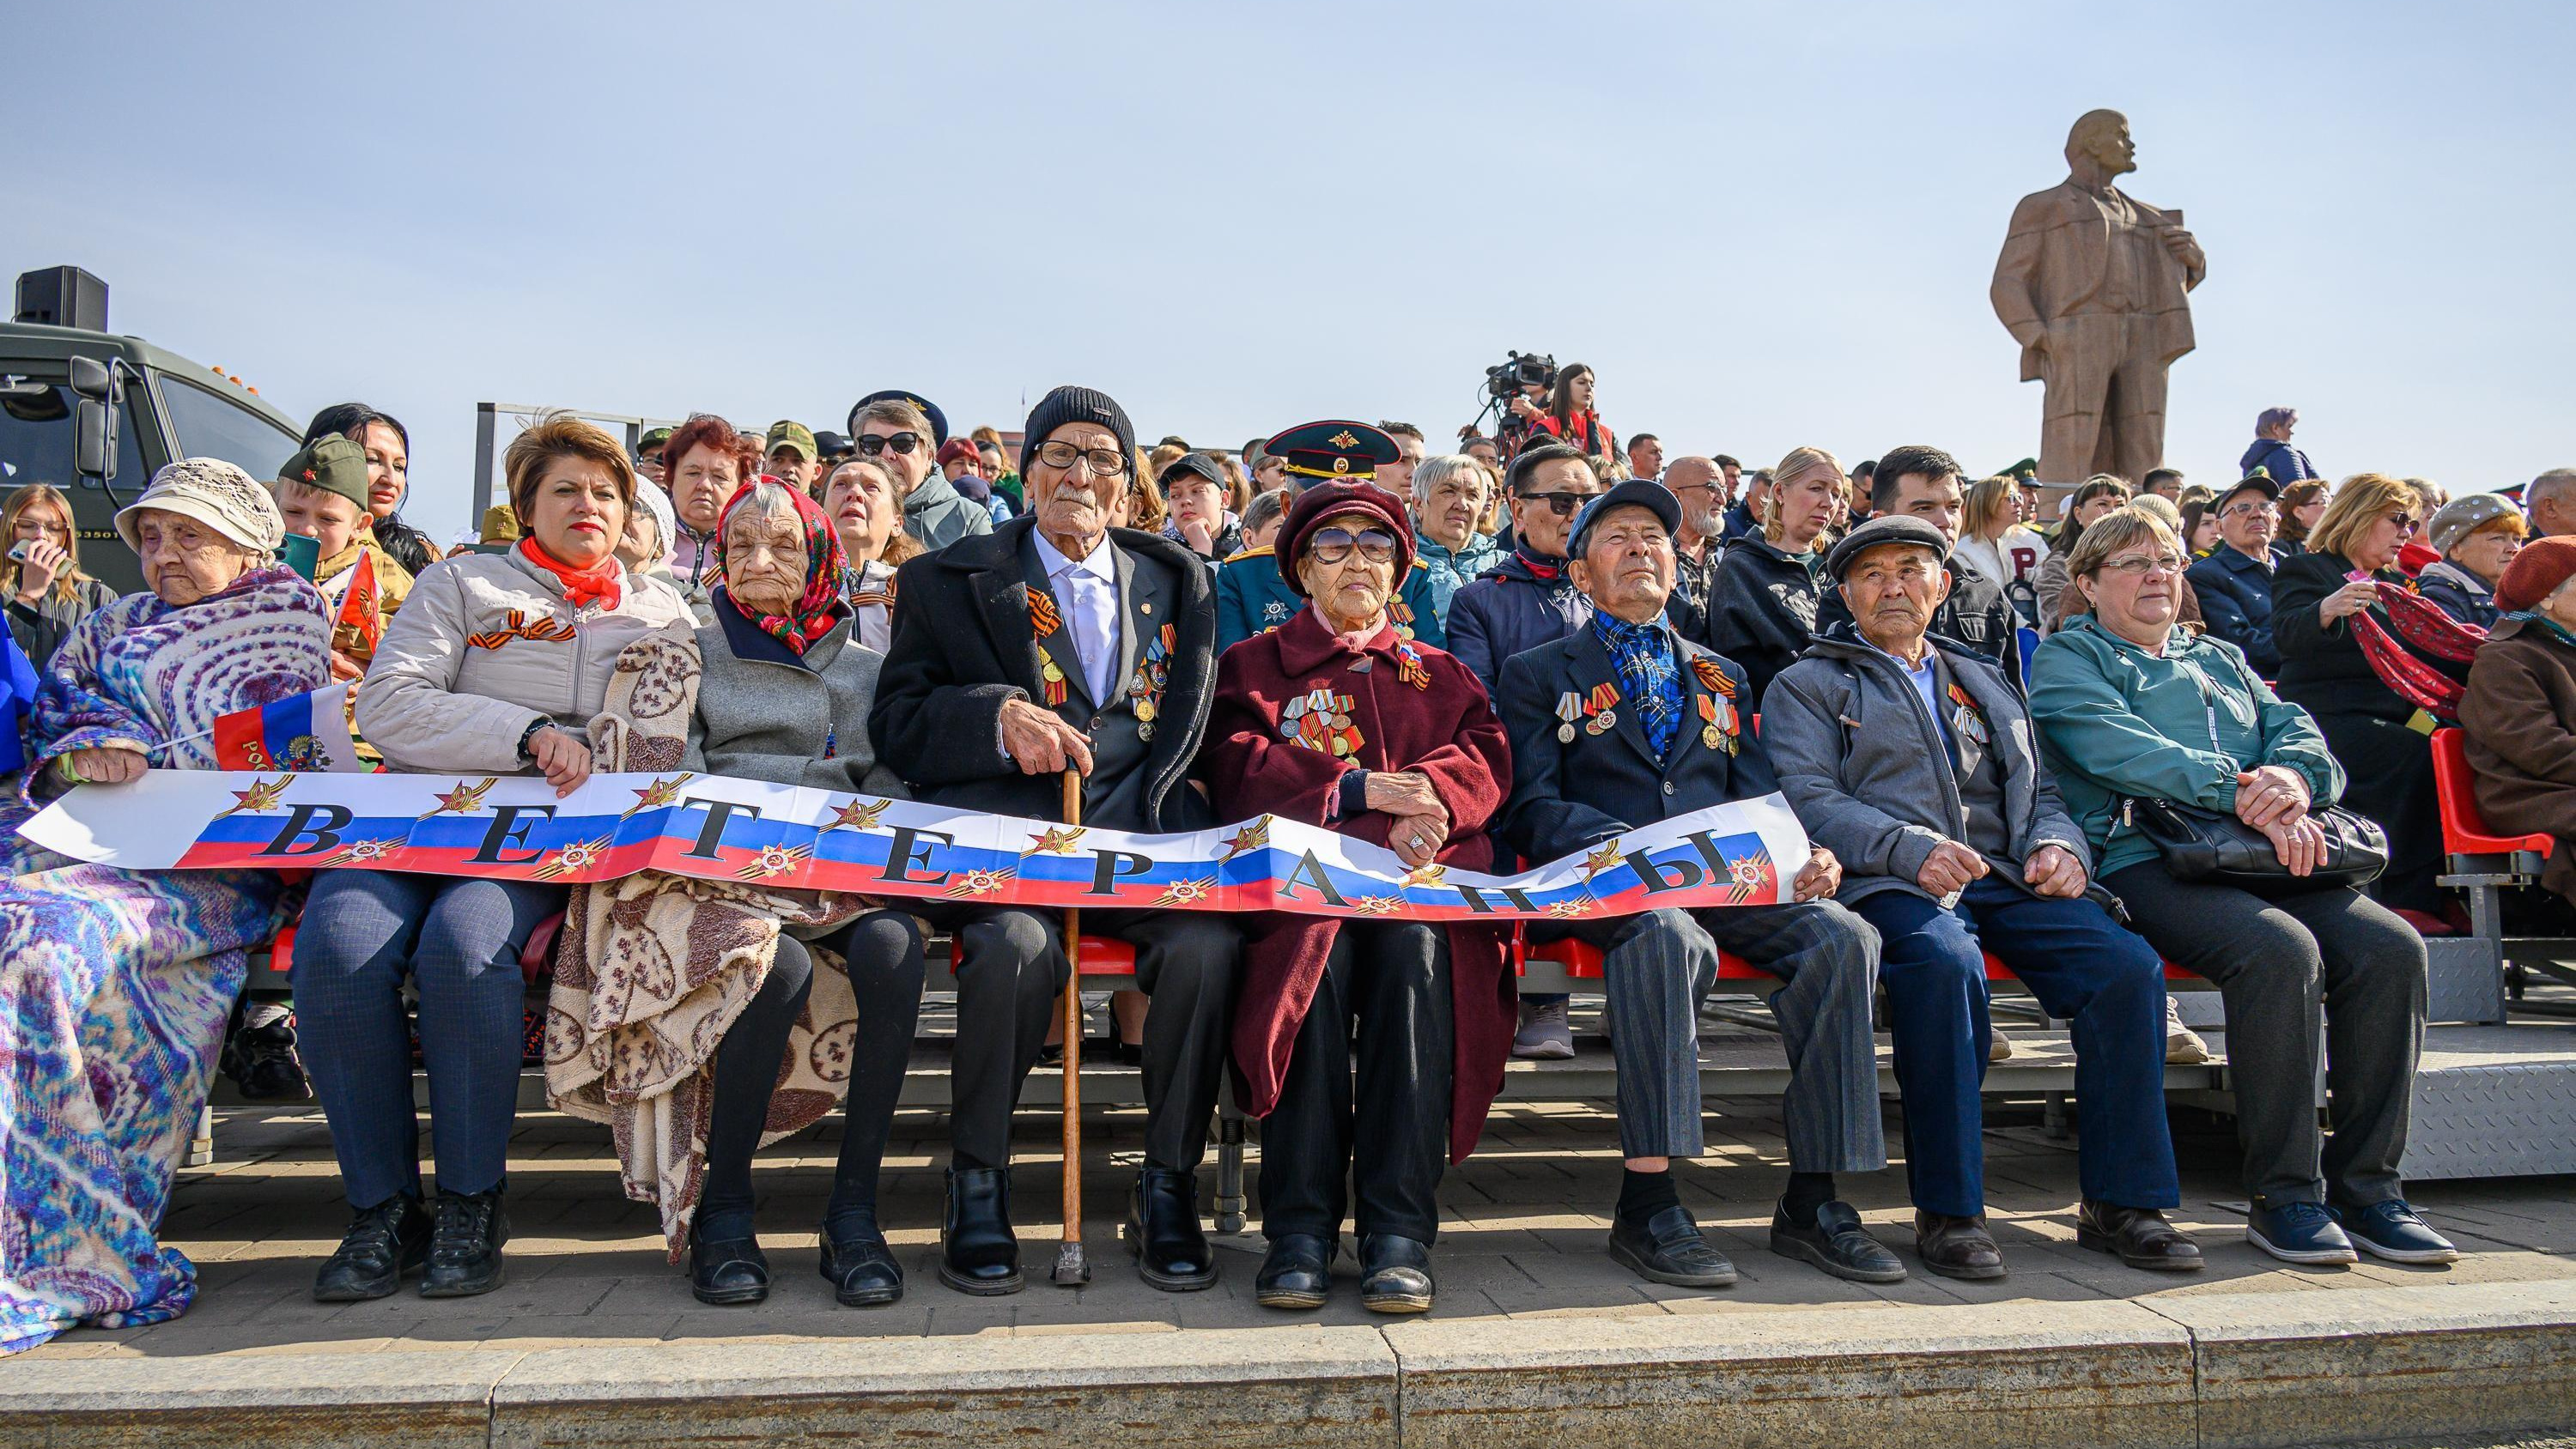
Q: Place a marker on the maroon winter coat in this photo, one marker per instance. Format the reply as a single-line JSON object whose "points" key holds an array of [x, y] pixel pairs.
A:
{"points": [[1444, 729]]}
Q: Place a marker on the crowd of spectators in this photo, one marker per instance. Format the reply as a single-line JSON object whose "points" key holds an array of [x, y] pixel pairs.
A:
{"points": [[1512, 652]]}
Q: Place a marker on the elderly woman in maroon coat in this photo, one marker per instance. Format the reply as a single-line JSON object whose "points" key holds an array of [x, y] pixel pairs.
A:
{"points": [[1336, 719]]}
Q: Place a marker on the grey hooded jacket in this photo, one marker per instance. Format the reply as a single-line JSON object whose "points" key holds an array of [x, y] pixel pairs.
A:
{"points": [[938, 515], [1869, 774]]}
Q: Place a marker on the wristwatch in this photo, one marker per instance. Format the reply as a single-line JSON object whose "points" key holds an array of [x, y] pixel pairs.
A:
{"points": [[530, 733]]}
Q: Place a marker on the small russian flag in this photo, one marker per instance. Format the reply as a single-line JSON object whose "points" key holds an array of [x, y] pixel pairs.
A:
{"points": [[307, 733]]}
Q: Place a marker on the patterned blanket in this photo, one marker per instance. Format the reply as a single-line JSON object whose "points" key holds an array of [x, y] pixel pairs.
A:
{"points": [[652, 969]]}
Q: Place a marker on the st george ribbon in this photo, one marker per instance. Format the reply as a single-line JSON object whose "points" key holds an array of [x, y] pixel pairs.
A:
{"points": [[719, 828]]}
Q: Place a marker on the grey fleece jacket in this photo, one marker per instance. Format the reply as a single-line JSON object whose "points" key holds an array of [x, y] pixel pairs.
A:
{"points": [[1869, 774]]}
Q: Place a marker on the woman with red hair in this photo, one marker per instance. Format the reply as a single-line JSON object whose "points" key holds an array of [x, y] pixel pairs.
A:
{"points": [[705, 460]]}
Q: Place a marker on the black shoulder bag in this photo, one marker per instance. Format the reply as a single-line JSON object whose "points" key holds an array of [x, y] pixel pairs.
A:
{"points": [[2212, 846]]}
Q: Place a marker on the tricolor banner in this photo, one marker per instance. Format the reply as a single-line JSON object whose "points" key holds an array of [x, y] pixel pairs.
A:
{"points": [[718, 828]]}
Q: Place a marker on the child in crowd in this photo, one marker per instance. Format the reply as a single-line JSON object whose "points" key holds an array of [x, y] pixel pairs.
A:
{"points": [[322, 493]]}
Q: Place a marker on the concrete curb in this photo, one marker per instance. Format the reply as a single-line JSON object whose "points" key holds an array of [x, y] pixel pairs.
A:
{"points": [[2217, 1370]]}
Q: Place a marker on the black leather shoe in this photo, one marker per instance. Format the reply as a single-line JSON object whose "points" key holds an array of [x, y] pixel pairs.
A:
{"points": [[1838, 1244], [465, 1245], [1163, 1233], [2139, 1237], [1296, 1273], [978, 1253], [862, 1268], [1957, 1247], [728, 1272], [1395, 1274], [1668, 1248], [383, 1243]]}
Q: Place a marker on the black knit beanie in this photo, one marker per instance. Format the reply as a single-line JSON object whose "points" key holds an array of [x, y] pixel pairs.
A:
{"points": [[1070, 404]]}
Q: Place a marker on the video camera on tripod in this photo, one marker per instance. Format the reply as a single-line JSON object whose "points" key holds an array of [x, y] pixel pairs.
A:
{"points": [[1520, 370]]}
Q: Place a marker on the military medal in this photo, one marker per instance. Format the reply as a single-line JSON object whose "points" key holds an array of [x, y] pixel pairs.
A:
{"points": [[1569, 708], [1967, 720], [1717, 724], [1153, 671], [1604, 717], [1320, 720], [1409, 667], [1044, 620]]}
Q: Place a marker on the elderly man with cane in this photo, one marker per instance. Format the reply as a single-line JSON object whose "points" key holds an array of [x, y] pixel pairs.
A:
{"points": [[1058, 642]]}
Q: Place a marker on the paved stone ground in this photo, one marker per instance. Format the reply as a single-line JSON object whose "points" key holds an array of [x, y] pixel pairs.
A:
{"points": [[1523, 1226]]}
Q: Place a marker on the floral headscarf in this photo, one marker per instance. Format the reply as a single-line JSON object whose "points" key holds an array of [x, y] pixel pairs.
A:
{"points": [[819, 607]]}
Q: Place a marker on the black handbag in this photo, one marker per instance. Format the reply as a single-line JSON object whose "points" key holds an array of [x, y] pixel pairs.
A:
{"points": [[2205, 845]]}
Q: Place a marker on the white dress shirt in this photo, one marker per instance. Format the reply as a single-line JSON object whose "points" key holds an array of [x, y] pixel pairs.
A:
{"points": [[1087, 592]]}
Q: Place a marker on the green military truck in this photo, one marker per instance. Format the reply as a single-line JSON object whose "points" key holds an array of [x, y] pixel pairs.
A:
{"points": [[94, 414]]}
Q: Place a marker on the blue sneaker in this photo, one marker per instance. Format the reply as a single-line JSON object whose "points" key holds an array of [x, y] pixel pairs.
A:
{"points": [[2299, 1232], [2391, 1230]]}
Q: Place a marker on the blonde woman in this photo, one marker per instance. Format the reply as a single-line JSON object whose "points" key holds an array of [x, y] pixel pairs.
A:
{"points": [[1762, 605], [42, 577], [1996, 543], [2315, 595]]}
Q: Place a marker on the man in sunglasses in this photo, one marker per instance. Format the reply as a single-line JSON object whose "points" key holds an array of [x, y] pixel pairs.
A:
{"points": [[2235, 582], [1527, 600], [1623, 723], [905, 434], [1058, 642]]}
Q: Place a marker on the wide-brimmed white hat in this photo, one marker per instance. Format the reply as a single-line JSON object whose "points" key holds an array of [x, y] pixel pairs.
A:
{"points": [[216, 494]]}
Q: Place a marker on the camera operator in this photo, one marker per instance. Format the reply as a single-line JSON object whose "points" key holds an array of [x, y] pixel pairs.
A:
{"points": [[1569, 416]]}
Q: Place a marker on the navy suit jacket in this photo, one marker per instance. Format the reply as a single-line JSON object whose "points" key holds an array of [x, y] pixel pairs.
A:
{"points": [[1568, 797]]}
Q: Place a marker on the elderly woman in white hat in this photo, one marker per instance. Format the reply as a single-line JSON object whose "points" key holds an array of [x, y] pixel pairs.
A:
{"points": [[115, 984]]}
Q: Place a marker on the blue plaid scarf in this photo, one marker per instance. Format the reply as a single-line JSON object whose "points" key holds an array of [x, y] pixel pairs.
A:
{"points": [[1650, 680]]}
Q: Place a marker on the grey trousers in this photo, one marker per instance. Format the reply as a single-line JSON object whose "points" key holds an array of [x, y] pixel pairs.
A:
{"points": [[1657, 967], [1010, 972], [2276, 960]]}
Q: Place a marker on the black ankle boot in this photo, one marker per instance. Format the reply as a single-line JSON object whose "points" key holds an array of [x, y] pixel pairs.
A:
{"points": [[1163, 1233], [1395, 1274], [1297, 1272], [862, 1269], [728, 1271], [978, 1253], [465, 1245]]}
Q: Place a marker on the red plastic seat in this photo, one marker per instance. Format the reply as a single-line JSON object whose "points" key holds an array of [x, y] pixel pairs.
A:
{"points": [[2464, 829], [1101, 956]]}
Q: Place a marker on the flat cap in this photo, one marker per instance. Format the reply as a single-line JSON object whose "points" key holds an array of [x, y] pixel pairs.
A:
{"points": [[1887, 528]]}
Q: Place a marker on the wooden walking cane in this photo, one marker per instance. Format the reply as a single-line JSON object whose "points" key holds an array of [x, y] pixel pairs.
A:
{"points": [[1072, 1268]]}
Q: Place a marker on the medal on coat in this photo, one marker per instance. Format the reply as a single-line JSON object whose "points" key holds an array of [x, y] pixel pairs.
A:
{"points": [[1399, 613], [1044, 620], [1717, 723], [1599, 706], [1153, 672], [1409, 666], [1967, 719], [1320, 720], [1569, 708]]}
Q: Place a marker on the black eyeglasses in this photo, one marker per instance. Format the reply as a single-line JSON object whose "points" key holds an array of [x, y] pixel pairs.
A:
{"points": [[1105, 462], [1560, 504], [871, 445], [1335, 544]]}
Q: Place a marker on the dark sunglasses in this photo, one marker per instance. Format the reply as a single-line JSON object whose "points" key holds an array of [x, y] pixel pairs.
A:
{"points": [[871, 445], [1335, 544], [2406, 522], [1560, 504]]}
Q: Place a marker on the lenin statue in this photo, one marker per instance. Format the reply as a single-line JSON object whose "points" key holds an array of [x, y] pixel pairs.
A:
{"points": [[2093, 284]]}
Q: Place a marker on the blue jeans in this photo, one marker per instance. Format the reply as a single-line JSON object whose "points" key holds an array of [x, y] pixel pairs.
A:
{"points": [[459, 941], [2083, 969]]}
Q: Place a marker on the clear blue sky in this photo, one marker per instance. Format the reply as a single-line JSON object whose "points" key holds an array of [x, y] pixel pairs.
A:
{"points": [[1764, 225]]}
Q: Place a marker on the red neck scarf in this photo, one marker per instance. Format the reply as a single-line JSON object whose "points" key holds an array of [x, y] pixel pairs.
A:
{"points": [[602, 583], [818, 608]]}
